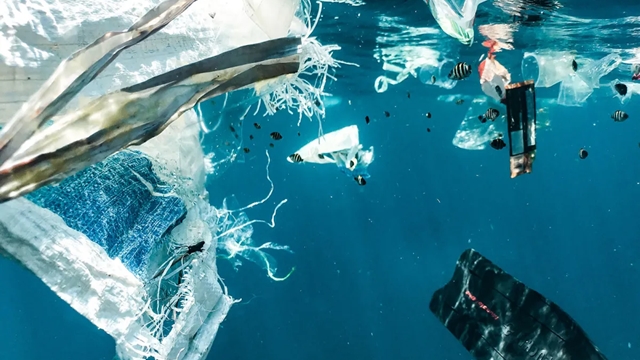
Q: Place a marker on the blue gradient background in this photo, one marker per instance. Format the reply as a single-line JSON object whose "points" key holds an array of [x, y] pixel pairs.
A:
{"points": [[368, 258]]}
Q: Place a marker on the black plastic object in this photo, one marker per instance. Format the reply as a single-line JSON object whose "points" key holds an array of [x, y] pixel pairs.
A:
{"points": [[498, 317], [521, 121]]}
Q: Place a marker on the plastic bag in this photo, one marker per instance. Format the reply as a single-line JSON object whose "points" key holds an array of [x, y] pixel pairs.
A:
{"points": [[456, 17]]}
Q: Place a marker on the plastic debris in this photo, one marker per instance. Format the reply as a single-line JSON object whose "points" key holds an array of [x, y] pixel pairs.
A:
{"points": [[341, 148], [456, 17], [549, 68], [521, 123], [437, 75], [493, 76]]}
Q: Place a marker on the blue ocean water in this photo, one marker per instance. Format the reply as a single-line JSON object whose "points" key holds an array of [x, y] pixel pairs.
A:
{"points": [[368, 258]]}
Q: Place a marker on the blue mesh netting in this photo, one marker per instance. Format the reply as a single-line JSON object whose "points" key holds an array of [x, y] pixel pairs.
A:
{"points": [[115, 209]]}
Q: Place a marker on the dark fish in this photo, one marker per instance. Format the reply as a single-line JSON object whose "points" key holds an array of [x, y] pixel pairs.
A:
{"points": [[433, 79], [275, 135], [232, 128], [257, 126], [428, 130], [387, 114], [574, 65], [498, 90], [250, 137], [271, 145], [246, 150], [491, 114], [621, 88], [461, 71], [408, 95], [195, 248], [320, 156], [583, 154], [296, 158], [498, 143], [298, 133], [236, 135], [352, 164], [428, 115], [619, 116], [366, 119], [317, 102], [360, 180], [459, 101]]}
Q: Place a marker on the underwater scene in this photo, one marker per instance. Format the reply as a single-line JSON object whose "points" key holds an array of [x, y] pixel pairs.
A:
{"points": [[313, 179]]}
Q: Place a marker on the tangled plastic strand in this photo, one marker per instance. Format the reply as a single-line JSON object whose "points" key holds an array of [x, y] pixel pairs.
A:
{"points": [[294, 91], [235, 230]]}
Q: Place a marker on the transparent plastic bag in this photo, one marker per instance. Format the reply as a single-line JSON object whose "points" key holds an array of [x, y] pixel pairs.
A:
{"points": [[456, 17]]}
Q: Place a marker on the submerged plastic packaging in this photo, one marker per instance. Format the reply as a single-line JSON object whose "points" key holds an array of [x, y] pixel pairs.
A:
{"points": [[341, 148], [493, 76], [475, 135], [142, 267], [97, 238], [549, 68], [456, 17], [437, 75], [630, 88]]}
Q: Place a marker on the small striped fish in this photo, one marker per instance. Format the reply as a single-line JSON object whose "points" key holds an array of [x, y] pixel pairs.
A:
{"points": [[491, 114], [296, 158], [461, 71], [619, 116], [360, 180]]}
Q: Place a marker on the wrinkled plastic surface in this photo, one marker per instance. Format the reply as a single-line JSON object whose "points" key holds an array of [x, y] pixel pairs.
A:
{"points": [[341, 140], [50, 32], [135, 114], [474, 135], [342, 148], [274, 17], [578, 86], [437, 75], [80, 271], [549, 68], [77, 269], [456, 17], [632, 88]]}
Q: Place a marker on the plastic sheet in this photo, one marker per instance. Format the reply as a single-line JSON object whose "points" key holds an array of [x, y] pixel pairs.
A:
{"points": [[57, 151], [274, 17], [493, 76], [342, 148], [437, 75], [456, 17], [632, 88], [547, 68], [161, 300], [578, 86], [550, 68], [474, 135]]}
